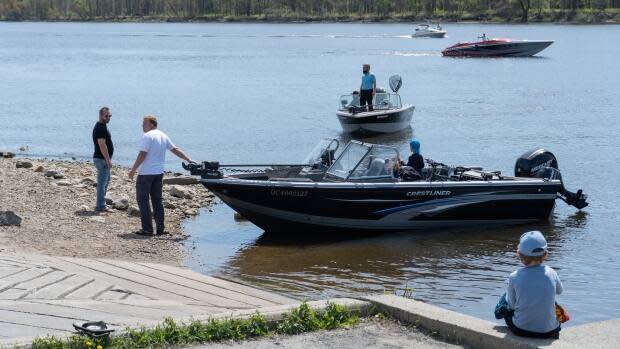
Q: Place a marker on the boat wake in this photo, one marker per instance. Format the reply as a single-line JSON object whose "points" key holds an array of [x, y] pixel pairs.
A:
{"points": [[411, 53]]}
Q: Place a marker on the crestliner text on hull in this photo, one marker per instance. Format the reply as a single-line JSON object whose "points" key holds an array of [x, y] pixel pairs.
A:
{"points": [[361, 193]]}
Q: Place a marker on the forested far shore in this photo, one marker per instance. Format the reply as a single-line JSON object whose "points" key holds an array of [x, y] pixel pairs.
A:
{"points": [[510, 11]]}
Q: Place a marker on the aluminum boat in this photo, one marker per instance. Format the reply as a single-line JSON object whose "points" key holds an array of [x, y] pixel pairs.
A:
{"points": [[496, 48], [388, 115], [362, 192]]}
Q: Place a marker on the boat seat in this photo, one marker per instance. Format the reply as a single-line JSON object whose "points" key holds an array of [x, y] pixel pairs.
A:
{"points": [[376, 168], [409, 174]]}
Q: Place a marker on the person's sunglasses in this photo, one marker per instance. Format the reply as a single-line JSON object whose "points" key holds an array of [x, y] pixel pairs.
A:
{"points": [[109, 116]]}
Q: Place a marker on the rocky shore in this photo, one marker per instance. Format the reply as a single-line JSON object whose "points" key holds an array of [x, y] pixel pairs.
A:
{"points": [[47, 207]]}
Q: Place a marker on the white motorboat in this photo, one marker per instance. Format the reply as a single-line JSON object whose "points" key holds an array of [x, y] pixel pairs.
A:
{"points": [[428, 31], [387, 115]]}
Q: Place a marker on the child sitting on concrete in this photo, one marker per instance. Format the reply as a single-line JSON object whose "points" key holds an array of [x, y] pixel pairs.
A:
{"points": [[530, 297]]}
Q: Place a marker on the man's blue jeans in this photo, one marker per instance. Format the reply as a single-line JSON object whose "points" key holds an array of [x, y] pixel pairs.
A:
{"points": [[103, 179]]}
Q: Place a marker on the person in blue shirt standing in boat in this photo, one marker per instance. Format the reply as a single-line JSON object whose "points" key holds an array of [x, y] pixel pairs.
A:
{"points": [[368, 87]]}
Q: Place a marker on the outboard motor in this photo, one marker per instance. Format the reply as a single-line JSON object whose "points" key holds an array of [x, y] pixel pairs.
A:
{"points": [[208, 169], [541, 163], [533, 161]]}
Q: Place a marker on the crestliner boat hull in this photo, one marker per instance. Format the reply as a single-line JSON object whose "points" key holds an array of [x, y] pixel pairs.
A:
{"points": [[374, 208], [497, 48], [380, 121], [367, 191]]}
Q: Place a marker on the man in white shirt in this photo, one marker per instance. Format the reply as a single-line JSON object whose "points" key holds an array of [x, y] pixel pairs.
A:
{"points": [[149, 184]]}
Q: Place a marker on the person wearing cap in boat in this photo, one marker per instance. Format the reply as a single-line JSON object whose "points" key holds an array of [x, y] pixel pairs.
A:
{"points": [[368, 87], [530, 298], [416, 161]]}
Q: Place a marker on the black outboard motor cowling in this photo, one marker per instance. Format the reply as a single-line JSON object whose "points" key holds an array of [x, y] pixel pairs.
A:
{"points": [[549, 173], [541, 163], [533, 161]]}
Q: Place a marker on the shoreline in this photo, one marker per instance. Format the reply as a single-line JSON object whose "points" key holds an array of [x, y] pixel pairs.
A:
{"points": [[554, 17], [58, 218]]}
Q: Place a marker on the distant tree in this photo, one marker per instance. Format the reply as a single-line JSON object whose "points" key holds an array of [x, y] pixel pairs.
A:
{"points": [[525, 9], [187, 9], [13, 15]]}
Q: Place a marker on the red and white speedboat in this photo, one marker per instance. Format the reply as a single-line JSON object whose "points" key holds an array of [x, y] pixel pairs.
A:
{"points": [[496, 48]]}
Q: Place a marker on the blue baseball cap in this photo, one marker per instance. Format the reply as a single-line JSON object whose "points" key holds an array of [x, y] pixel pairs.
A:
{"points": [[532, 244]]}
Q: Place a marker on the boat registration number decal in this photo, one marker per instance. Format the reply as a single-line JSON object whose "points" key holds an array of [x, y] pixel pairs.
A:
{"points": [[292, 193], [428, 193]]}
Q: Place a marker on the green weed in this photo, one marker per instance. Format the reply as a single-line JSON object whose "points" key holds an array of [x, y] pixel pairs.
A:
{"points": [[170, 333]]}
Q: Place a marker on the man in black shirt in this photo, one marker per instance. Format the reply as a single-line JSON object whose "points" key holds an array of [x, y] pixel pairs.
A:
{"points": [[102, 156]]}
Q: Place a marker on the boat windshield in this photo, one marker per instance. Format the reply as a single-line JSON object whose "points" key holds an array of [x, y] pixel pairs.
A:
{"points": [[382, 100], [387, 101], [322, 152], [348, 160], [352, 100], [360, 161]]}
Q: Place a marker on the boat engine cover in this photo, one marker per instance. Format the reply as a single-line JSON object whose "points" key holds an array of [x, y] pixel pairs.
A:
{"points": [[531, 162], [549, 173]]}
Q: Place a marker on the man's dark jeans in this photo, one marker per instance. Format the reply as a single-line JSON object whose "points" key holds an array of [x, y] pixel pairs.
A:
{"points": [[366, 98], [150, 186]]}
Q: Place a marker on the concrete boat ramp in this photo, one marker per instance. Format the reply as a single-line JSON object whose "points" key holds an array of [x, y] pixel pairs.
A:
{"points": [[42, 295]]}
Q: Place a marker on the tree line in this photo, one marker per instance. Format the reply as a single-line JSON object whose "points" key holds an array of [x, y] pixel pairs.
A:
{"points": [[510, 10]]}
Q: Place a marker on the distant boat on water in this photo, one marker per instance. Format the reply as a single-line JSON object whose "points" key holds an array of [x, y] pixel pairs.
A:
{"points": [[496, 48], [428, 31]]}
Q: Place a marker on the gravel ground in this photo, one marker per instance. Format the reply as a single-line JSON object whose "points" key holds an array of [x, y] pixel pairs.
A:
{"points": [[58, 215], [369, 333]]}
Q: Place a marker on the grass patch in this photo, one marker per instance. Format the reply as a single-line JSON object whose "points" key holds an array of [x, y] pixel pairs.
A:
{"points": [[406, 292], [170, 333]]}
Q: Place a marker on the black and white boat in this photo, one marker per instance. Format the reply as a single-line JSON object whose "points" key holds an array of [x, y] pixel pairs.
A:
{"points": [[496, 48], [388, 115], [360, 193]]}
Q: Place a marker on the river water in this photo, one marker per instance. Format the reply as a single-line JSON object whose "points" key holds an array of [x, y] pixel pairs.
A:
{"points": [[268, 92]]}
